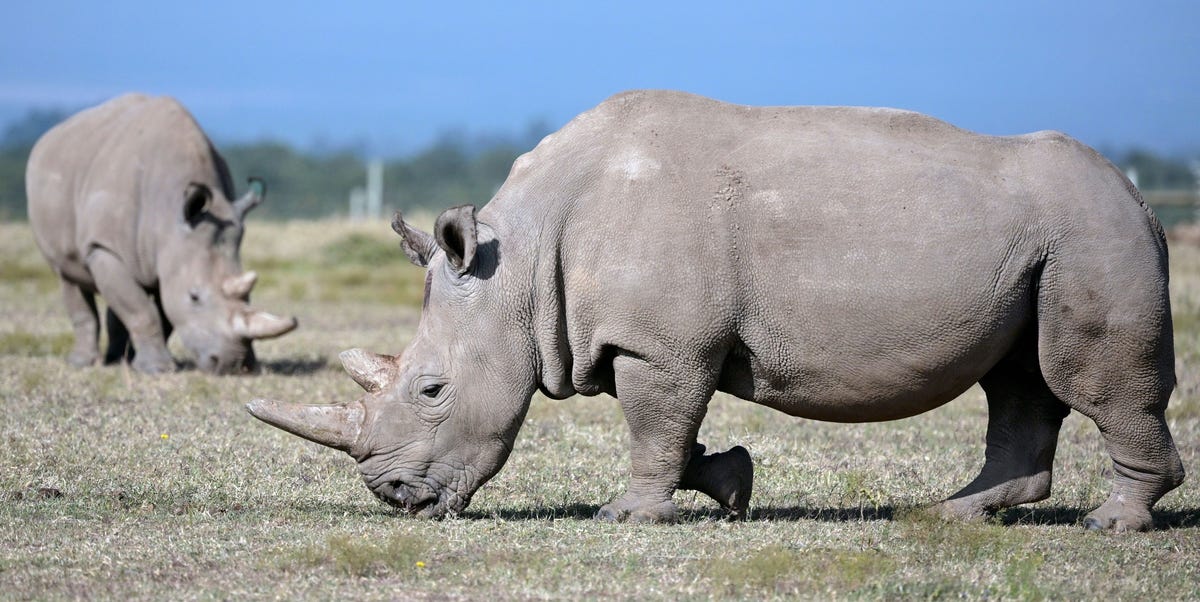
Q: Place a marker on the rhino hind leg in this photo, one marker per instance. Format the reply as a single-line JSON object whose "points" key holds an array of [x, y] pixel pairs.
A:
{"points": [[1108, 353], [1146, 466], [727, 477], [1024, 418], [81, 308]]}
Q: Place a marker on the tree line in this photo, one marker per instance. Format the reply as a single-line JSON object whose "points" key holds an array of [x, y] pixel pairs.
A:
{"points": [[453, 170]]}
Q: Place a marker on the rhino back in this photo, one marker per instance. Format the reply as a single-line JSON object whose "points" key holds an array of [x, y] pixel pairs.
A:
{"points": [[819, 259], [113, 176]]}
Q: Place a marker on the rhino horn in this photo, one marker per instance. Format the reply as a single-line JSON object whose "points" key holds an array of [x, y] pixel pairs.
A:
{"points": [[255, 324], [250, 200], [237, 287], [335, 425], [372, 371]]}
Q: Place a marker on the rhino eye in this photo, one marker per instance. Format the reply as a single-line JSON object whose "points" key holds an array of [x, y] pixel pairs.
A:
{"points": [[431, 390], [194, 295]]}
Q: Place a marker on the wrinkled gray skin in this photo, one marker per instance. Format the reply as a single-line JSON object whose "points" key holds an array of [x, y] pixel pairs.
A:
{"points": [[841, 264], [130, 200]]}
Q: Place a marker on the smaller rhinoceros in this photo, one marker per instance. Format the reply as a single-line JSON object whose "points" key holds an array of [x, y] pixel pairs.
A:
{"points": [[834, 263], [130, 200]]}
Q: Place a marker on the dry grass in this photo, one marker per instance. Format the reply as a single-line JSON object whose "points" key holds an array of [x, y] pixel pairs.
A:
{"points": [[115, 485]]}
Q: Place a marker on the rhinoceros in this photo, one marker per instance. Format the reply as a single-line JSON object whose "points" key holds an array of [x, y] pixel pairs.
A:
{"points": [[130, 200], [833, 263]]}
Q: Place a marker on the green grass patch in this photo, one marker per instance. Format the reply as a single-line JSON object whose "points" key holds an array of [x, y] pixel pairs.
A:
{"points": [[858, 488], [21, 342], [13, 269], [360, 556], [354, 267], [777, 570], [971, 539], [361, 249]]}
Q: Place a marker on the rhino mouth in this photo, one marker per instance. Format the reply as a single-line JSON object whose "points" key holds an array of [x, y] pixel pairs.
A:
{"points": [[420, 491], [416, 499]]}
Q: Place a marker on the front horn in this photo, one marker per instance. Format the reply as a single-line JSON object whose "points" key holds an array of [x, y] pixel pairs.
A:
{"points": [[255, 324], [335, 425]]}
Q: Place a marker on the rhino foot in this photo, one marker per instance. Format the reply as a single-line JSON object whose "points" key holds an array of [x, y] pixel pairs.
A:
{"points": [[1117, 516], [635, 510], [727, 477], [150, 363], [82, 359]]}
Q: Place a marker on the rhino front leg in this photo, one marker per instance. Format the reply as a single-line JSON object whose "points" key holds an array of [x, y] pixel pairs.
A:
{"points": [[134, 308], [664, 415], [81, 307], [119, 347]]}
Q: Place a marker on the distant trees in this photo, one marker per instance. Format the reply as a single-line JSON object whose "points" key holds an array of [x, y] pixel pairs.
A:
{"points": [[298, 185], [12, 182], [1158, 173], [15, 143], [453, 170], [449, 172]]}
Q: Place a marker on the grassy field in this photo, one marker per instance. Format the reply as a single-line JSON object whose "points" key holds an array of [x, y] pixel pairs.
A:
{"points": [[119, 486]]}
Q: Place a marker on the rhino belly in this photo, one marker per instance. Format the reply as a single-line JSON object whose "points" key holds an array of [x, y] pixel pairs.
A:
{"points": [[882, 350]]}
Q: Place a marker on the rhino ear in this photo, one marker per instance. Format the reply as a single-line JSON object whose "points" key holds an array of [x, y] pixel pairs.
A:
{"points": [[417, 245], [250, 200], [195, 200], [456, 235]]}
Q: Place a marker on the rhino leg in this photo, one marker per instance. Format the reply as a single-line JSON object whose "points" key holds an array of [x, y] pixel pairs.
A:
{"points": [[727, 477], [664, 415], [81, 307], [1146, 466], [1024, 418], [1108, 353], [119, 349], [167, 328], [134, 308]]}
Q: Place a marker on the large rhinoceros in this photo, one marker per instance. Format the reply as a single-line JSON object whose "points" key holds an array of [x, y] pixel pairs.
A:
{"points": [[130, 200], [843, 264]]}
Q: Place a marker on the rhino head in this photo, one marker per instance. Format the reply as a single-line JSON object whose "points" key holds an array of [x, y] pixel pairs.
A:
{"points": [[204, 292], [440, 419]]}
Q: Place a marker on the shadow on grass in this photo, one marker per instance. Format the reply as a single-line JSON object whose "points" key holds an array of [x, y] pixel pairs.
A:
{"points": [[829, 515], [1186, 518], [588, 511], [295, 367], [285, 367], [570, 511]]}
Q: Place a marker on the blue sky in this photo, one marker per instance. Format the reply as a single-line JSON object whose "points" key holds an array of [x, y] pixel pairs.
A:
{"points": [[388, 77]]}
